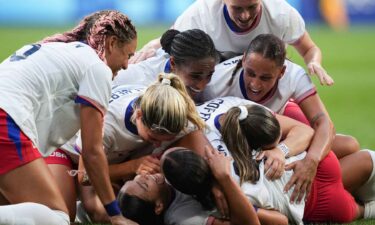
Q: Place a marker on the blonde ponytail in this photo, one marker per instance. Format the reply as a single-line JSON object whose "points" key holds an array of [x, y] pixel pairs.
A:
{"points": [[166, 106]]}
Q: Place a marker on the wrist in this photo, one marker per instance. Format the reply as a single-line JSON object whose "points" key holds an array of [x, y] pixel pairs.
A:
{"points": [[284, 148], [312, 159], [113, 208], [223, 178]]}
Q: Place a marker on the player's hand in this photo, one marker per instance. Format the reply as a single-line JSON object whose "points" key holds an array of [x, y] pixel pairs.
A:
{"points": [[219, 163], [220, 200], [142, 54], [220, 167], [316, 68], [274, 164], [147, 165], [120, 220], [304, 173]]}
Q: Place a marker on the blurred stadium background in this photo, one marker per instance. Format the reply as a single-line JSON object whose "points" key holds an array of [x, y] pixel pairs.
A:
{"points": [[348, 54]]}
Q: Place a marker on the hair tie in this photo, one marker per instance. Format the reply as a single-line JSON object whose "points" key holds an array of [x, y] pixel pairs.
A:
{"points": [[244, 113], [166, 81]]}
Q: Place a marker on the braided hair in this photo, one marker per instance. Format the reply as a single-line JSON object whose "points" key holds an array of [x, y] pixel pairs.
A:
{"points": [[93, 30]]}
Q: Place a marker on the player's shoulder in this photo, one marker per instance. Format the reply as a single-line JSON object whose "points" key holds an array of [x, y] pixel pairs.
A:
{"points": [[277, 8], [293, 70]]}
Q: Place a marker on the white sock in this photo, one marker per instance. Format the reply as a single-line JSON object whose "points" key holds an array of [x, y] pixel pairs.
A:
{"points": [[30, 213], [369, 210], [366, 192]]}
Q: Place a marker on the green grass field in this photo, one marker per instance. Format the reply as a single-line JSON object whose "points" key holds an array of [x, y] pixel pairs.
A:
{"points": [[347, 56]]}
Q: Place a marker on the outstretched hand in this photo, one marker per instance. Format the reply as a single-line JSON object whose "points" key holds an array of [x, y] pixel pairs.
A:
{"points": [[304, 173], [142, 55], [319, 71]]}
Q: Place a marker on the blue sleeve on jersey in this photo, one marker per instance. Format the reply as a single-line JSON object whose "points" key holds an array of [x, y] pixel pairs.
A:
{"points": [[83, 101]]}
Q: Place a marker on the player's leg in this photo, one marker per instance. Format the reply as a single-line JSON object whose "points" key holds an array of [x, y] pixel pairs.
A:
{"points": [[60, 164], [34, 183], [24, 177], [329, 201], [342, 145]]}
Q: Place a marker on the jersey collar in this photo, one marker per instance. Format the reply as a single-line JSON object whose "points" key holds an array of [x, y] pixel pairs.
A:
{"points": [[268, 96], [167, 68], [128, 114]]}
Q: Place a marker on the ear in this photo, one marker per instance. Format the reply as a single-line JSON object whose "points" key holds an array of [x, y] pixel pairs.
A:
{"points": [[159, 207], [173, 64], [282, 72], [243, 59], [111, 42], [138, 114]]}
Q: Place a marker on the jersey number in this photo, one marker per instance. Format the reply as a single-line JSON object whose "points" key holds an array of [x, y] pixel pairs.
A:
{"points": [[24, 52]]}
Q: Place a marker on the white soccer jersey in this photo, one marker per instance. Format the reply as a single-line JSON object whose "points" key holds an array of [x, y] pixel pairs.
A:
{"points": [[294, 84], [265, 194], [121, 140], [145, 72], [39, 85], [277, 17]]}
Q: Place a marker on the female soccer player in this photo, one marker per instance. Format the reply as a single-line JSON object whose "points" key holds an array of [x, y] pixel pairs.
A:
{"points": [[264, 76], [50, 90], [140, 119], [190, 54], [240, 128], [232, 24]]}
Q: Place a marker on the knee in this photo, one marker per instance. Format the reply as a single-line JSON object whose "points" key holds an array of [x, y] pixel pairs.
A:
{"points": [[345, 145], [352, 144]]}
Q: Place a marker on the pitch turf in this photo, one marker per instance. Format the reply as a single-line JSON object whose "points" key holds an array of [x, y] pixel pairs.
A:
{"points": [[349, 57]]}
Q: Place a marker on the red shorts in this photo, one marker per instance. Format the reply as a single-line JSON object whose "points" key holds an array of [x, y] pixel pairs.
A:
{"points": [[328, 200], [59, 157], [16, 149], [292, 110]]}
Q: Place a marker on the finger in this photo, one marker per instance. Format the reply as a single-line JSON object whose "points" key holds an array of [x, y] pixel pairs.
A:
{"points": [[260, 156], [290, 183], [311, 70], [225, 208], [154, 168], [209, 151], [302, 192], [154, 160], [219, 205], [271, 172], [308, 189], [268, 164], [296, 191], [290, 166]]}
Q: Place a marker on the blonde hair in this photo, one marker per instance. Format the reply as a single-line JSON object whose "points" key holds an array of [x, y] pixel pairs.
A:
{"points": [[167, 107]]}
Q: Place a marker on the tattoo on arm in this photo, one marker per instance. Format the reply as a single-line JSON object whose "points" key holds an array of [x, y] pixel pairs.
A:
{"points": [[316, 117]]}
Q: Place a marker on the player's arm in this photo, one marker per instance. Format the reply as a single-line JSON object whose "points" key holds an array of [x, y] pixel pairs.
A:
{"points": [[127, 170], [313, 58], [295, 135], [95, 161], [296, 138], [147, 51], [241, 210], [305, 170]]}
